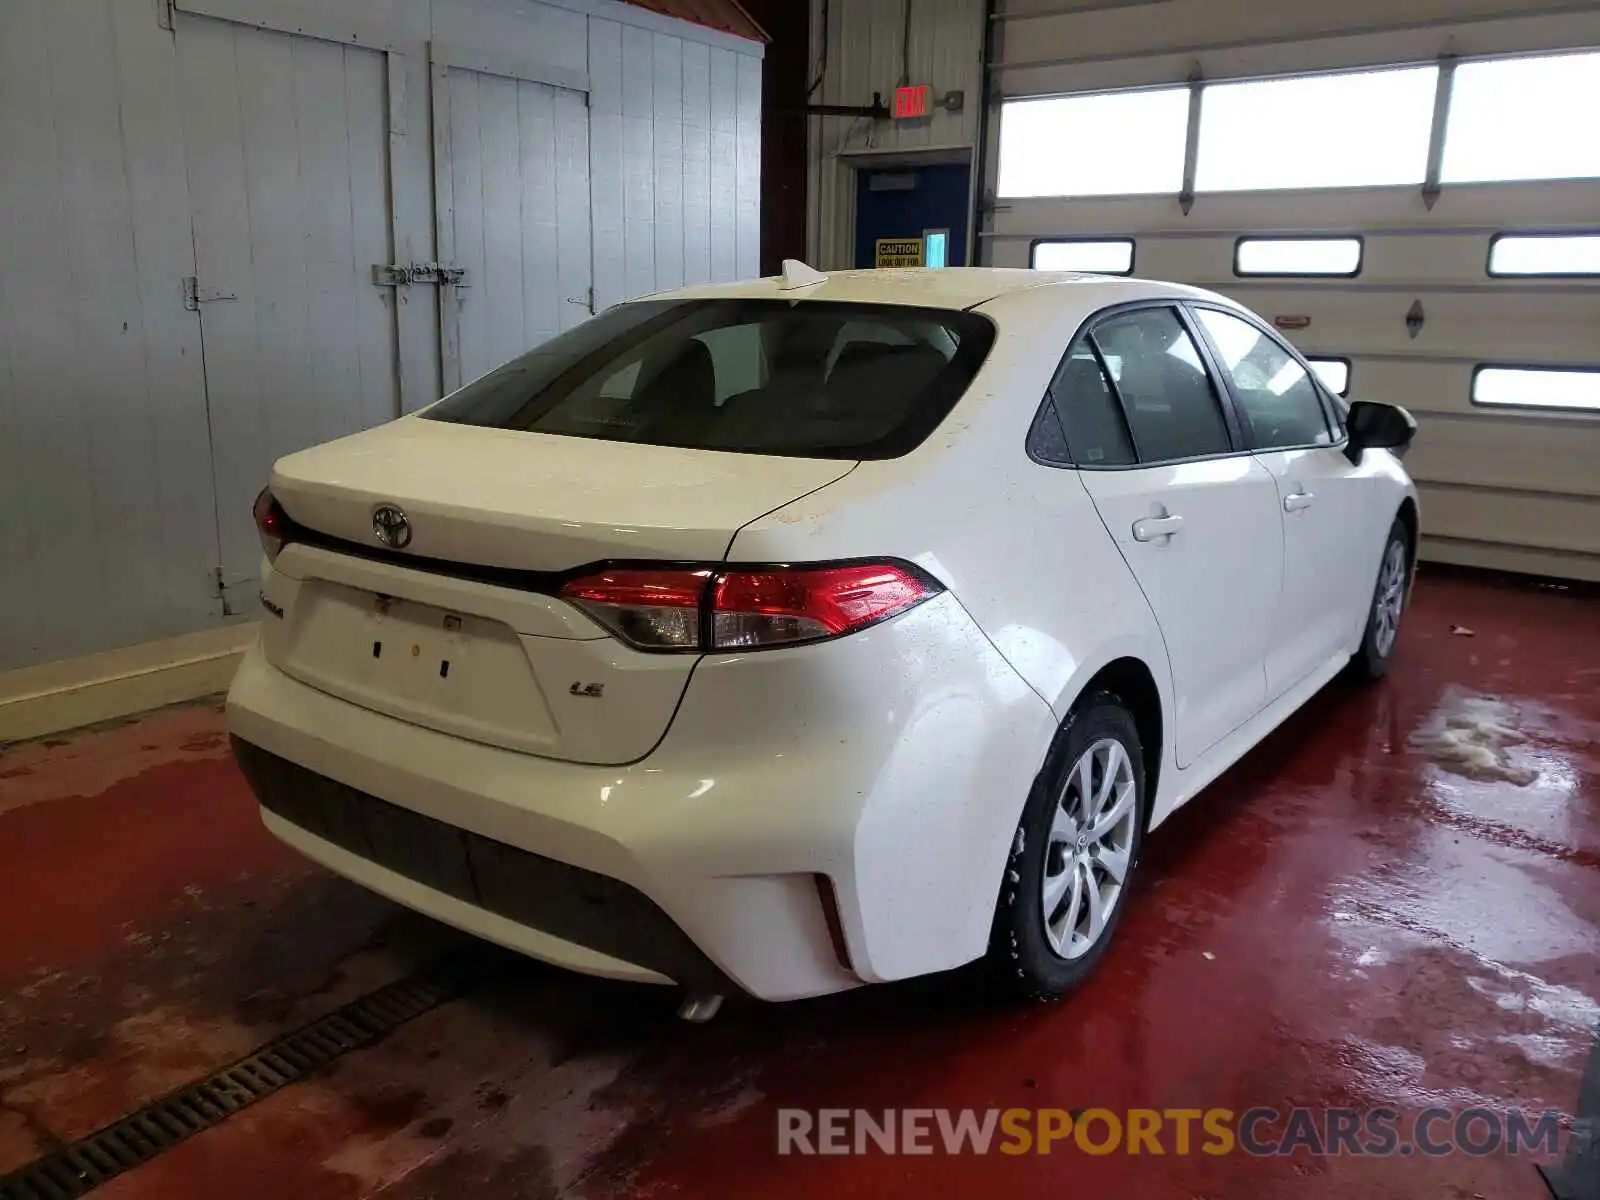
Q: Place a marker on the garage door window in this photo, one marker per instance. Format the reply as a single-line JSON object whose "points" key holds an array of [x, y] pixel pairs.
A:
{"points": [[1544, 254], [1537, 387], [1340, 256], [1280, 402], [1166, 394], [1103, 256], [1348, 130], [1116, 143], [1334, 373], [1524, 118]]}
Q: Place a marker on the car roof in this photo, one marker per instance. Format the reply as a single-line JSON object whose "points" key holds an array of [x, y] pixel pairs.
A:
{"points": [[941, 287]]}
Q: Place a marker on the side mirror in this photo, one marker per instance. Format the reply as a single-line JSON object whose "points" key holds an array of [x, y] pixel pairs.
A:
{"points": [[1379, 427]]}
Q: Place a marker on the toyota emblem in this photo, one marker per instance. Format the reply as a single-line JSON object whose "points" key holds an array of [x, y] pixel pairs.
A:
{"points": [[390, 526]]}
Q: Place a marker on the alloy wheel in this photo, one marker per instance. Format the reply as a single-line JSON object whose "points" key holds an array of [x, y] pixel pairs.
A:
{"points": [[1390, 599], [1089, 851]]}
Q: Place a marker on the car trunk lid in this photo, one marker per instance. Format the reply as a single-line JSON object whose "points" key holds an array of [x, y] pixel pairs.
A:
{"points": [[460, 628]]}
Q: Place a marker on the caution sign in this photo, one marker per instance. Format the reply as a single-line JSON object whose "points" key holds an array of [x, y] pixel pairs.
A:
{"points": [[899, 252]]}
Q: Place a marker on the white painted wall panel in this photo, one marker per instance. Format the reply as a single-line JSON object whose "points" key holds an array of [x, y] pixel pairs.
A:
{"points": [[541, 31], [676, 161], [105, 482], [696, 164], [747, 163], [519, 218], [638, 162], [298, 162], [282, 161], [573, 212], [667, 146], [605, 161]]}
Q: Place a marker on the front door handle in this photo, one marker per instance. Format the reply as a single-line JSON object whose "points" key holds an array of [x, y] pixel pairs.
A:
{"points": [[1148, 529], [1295, 501]]}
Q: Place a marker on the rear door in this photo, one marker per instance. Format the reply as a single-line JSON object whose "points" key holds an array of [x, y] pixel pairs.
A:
{"points": [[1330, 551], [1195, 517]]}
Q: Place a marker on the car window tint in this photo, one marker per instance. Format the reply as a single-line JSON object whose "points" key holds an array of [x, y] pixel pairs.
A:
{"points": [[1280, 402], [738, 359], [1170, 404], [1090, 418], [819, 379]]}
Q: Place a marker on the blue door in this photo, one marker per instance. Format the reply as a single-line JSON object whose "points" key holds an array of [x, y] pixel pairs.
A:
{"points": [[916, 202]]}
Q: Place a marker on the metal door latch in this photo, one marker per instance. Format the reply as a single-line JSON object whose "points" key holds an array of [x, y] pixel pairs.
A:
{"points": [[194, 295], [405, 274]]}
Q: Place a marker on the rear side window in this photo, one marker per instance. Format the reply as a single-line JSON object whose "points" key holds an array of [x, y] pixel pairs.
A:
{"points": [[1171, 408], [804, 378], [1280, 402], [1090, 418]]}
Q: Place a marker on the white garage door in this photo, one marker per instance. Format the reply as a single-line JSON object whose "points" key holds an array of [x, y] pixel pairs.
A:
{"points": [[1426, 228]]}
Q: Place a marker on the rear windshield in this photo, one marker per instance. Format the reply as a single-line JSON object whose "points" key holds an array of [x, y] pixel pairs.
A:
{"points": [[806, 378]]}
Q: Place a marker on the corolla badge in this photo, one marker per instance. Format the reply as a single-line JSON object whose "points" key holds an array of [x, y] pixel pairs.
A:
{"points": [[390, 526]]}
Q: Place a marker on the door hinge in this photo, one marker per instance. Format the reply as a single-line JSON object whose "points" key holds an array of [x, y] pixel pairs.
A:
{"points": [[194, 295], [225, 587], [405, 274]]}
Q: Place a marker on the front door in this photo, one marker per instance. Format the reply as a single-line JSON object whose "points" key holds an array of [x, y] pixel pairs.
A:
{"points": [[1196, 518], [287, 145]]}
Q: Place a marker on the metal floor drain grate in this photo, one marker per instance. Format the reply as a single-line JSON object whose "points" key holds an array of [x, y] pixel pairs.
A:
{"points": [[82, 1166]]}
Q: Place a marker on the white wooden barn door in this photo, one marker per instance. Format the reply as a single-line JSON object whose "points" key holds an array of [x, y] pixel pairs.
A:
{"points": [[511, 171], [287, 144]]}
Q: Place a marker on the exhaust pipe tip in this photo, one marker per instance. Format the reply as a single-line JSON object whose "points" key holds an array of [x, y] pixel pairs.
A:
{"points": [[699, 1007]]}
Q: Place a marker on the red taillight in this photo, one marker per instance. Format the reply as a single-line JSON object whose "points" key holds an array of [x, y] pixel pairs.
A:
{"points": [[652, 609], [272, 523], [666, 609], [764, 608]]}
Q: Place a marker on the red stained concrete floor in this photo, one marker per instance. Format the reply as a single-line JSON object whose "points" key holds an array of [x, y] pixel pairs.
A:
{"points": [[1362, 913]]}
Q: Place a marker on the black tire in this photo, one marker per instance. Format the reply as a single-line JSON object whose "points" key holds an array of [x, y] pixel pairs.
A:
{"points": [[1019, 950], [1371, 661]]}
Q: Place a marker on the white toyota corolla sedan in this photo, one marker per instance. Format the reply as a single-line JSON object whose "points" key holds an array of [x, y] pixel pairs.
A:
{"points": [[788, 635]]}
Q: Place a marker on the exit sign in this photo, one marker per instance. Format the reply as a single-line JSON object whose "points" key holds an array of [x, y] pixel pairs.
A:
{"points": [[913, 101]]}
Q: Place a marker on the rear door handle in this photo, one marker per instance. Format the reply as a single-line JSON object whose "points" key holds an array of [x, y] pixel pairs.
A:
{"points": [[1148, 529], [1295, 501]]}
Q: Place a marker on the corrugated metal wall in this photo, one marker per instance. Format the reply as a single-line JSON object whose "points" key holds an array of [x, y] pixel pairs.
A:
{"points": [[108, 492], [863, 41]]}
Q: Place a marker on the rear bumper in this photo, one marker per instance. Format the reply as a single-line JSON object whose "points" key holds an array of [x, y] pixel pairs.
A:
{"points": [[894, 763], [544, 907]]}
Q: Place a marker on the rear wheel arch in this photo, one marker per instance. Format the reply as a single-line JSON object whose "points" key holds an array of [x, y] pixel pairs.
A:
{"points": [[1407, 516], [1133, 684], [1130, 680]]}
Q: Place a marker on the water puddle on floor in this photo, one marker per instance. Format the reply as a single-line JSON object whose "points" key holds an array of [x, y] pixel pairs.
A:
{"points": [[1473, 735]]}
